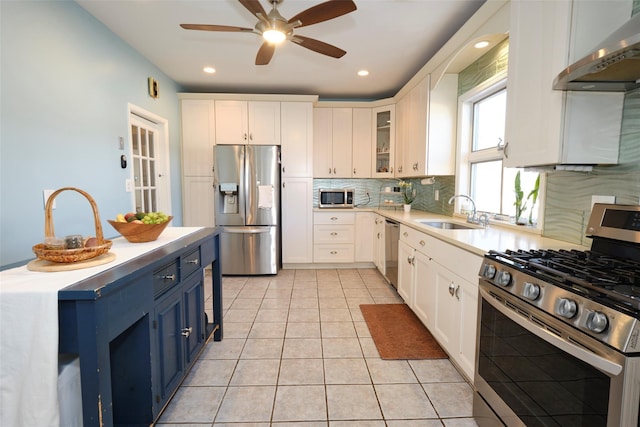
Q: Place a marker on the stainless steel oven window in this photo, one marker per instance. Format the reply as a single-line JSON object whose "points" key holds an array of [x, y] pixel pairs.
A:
{"points": [[542, 385]]}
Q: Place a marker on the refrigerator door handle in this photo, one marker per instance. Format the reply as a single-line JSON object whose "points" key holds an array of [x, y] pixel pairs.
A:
{"points": [[244, 230]]}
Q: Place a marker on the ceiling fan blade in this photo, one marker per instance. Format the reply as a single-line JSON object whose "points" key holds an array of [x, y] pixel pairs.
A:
{"points": [[254, 7], [318, 46], [323, 12], [265, 53], [204, 27]]}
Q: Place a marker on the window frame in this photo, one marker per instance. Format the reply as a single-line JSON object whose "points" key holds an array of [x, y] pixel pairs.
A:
{"points": [[465, 156]]}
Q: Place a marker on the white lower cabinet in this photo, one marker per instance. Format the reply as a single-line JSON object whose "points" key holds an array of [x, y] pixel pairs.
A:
{"points": [[446, 302], [456, 310], [365, 235], [333, 237], [378, 244], [197, 208], [297, 220]]}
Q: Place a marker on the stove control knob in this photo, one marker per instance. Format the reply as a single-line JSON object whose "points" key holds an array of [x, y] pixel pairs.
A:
{"points": [[531, 291], [597, 321], [488, 271], [503, 278], [566, 308]]}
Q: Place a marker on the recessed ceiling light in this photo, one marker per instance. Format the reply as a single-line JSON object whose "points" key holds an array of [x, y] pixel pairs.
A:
{"points": [[363, 73], [209, 70], [481, 44]]}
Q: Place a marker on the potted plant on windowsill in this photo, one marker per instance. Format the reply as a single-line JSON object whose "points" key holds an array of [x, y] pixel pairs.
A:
{"points": [[521, 202], [408, 194]]}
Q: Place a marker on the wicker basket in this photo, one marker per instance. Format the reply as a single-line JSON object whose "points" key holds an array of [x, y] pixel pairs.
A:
{"points": [[139, 233], [71, 255]]}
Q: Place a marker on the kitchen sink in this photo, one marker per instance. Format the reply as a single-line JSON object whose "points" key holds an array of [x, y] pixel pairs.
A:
{"points": [[446, 225]]}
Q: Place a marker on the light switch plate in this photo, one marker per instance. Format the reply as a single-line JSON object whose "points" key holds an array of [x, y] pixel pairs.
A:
{"points": [[127, 185], [45, 195], [602, 199]]}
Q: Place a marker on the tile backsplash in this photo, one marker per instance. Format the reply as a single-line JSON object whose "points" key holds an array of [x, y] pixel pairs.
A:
{"points": [[425, 198]]}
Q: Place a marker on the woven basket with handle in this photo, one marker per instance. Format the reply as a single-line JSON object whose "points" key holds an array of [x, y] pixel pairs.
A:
{"points": [[71, 255]]}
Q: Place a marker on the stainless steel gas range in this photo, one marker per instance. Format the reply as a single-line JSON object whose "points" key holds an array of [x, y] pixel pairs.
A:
{"points": [[559, 331]]}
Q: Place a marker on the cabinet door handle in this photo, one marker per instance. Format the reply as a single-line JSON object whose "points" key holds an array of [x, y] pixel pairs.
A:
{"points": [[244, 136], [415, 166], [354, 171], [400, 169], [284, 184], [333, 233], [452, 289], [405, 234], [283, 169], [168, 277], [334, 218], [250, 137], [193, 261], [391, 171], [329, 171], [334, 171], [378, 236], [458, 293], [333, 252], [186, 332]]}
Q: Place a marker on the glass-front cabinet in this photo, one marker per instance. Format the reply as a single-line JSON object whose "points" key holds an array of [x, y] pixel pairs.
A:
{"points": [[384, 140]]}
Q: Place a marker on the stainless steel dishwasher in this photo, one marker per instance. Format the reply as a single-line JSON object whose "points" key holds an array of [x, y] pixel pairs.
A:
{"points": [[392, 236]]}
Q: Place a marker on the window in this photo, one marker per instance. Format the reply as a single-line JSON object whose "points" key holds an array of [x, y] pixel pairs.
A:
{"points": [[481, 174]]}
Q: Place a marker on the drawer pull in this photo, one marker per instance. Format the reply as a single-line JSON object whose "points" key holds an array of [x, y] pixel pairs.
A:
{"points": [[333, 252], [333, 233], [168, 277], [334, 218], [186, 332], [193, 261]]}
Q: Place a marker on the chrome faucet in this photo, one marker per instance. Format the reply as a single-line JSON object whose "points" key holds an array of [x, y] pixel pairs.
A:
{"points": [[473, 216]]}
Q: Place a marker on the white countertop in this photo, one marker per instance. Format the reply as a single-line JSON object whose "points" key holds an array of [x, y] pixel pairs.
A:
{"points": [[478, 241]]}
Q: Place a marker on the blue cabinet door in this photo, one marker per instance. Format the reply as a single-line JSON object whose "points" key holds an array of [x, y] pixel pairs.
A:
{"points": [[193, 297], [170, 358]]}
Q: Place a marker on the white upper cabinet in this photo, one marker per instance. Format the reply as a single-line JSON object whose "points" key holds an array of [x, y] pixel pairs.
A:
{"points": [[550, 127], [198, 137], [297, 139], [384, 140], [426, 129], [362, 154], [332, 142], [247, 122]]}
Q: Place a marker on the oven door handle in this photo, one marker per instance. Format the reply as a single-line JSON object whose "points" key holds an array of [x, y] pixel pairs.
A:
{"points": [[608, 367]]}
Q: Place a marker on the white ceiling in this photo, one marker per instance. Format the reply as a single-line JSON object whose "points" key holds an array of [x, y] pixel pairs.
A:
{"points": [[392, 39]]}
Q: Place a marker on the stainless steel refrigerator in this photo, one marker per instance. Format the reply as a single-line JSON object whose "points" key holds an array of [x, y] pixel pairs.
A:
{"points": [[247, 207]]}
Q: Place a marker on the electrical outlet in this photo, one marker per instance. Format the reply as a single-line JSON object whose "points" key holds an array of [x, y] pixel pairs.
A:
{"points": [[436, 195], [127, 185], [46, 194]]}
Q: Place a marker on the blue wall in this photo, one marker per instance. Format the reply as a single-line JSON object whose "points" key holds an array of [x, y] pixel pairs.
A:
{"points": [[66, 81]]}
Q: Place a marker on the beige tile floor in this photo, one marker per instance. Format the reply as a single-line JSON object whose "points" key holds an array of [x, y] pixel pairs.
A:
{"points": [[297, 352]]}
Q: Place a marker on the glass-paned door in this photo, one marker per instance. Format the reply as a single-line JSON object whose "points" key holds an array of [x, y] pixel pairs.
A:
{"points": [[146, 165]]}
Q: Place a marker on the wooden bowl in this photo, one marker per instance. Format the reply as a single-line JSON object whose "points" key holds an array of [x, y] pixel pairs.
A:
{"points": [[139, 233]]}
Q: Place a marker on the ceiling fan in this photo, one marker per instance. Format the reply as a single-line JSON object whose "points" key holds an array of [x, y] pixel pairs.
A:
{"points": [[274, 29]]}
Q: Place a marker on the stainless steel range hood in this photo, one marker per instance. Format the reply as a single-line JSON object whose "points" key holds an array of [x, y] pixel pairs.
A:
{"points": [[614, 65]]}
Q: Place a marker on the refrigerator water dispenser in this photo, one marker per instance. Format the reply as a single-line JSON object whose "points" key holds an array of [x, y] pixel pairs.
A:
{"points": [[230, 192]]}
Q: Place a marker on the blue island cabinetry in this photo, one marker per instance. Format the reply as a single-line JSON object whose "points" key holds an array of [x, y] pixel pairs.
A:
{"points": [[140, 326]]}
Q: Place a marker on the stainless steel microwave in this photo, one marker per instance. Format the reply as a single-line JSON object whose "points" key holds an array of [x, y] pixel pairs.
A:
{"points": [[335, 198]]}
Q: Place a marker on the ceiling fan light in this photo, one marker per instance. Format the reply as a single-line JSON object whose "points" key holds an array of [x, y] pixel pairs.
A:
{"points": [[274, 36]]}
